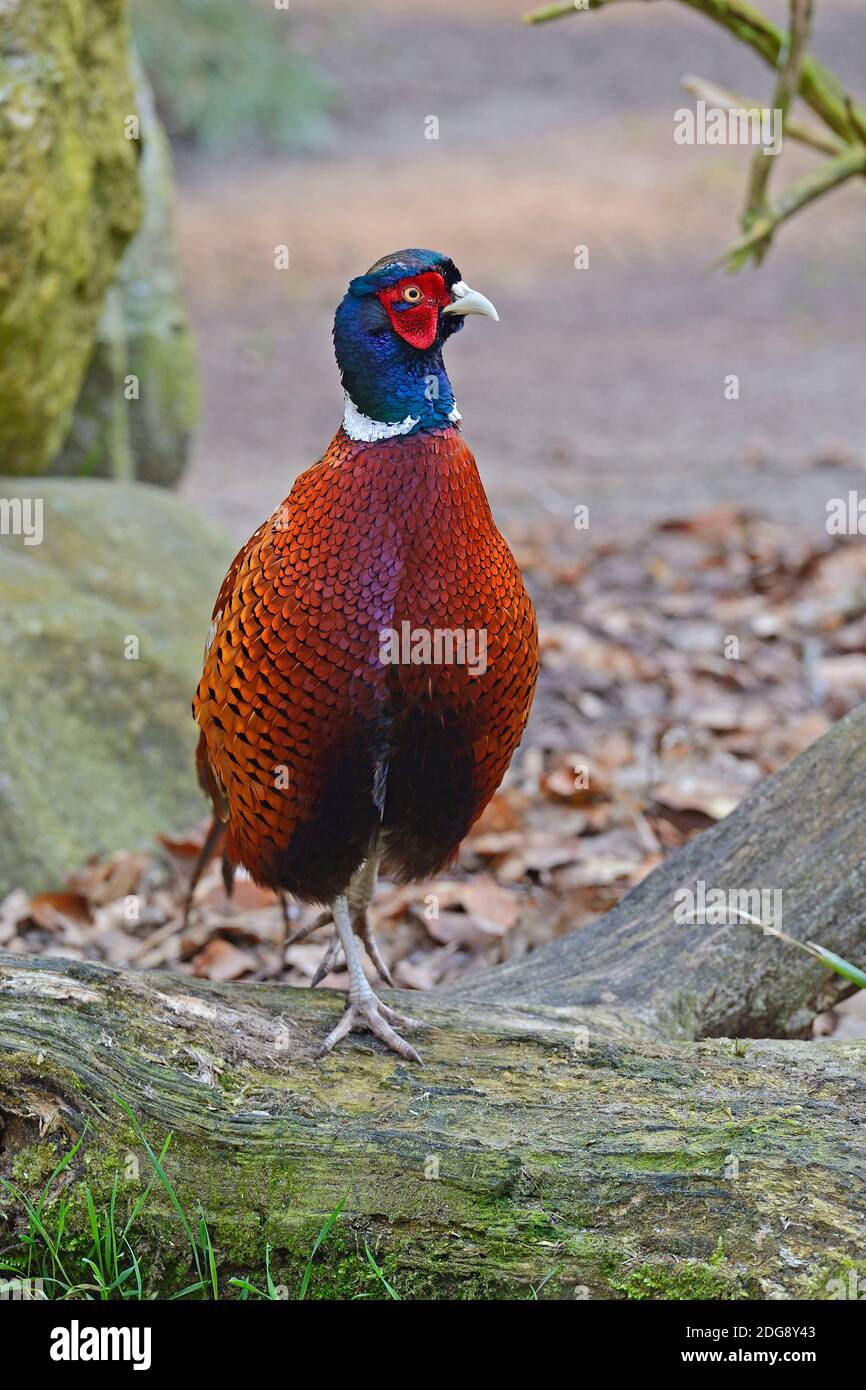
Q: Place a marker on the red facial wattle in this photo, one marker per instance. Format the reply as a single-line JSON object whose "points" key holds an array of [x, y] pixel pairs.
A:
{"points": [[417, 323]]}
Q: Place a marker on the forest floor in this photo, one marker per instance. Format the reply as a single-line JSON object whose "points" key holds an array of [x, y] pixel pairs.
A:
{"points": [[710, 653], [601, 388]]}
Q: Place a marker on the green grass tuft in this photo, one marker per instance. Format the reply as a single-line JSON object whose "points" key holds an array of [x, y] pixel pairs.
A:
{"points": [[94, 1257]]}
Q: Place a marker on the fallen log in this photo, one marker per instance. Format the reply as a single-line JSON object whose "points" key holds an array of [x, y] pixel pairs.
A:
{"points": [[579, 1126]]}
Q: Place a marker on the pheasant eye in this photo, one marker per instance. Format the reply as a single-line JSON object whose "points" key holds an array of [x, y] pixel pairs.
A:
{"points": [[412, 294]]}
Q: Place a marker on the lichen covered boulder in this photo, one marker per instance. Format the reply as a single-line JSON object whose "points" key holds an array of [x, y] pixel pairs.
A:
{"points": [[69, 202], [106, 600], [140, 399]]}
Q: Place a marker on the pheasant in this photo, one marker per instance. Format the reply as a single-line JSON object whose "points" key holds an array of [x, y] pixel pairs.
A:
{"points": [[372, 655]]}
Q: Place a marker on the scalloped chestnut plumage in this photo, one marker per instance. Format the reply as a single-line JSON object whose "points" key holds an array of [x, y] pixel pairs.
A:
{"points": [[373, 651]]}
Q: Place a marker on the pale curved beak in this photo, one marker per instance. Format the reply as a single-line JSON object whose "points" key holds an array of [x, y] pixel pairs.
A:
{"points": [[468, 301]]}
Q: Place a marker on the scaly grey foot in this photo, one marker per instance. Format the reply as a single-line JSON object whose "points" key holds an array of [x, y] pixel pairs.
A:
{"points": [[365, 1009], [369, 1014]]}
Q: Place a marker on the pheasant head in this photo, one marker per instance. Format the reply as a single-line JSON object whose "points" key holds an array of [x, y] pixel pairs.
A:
{"points": [[389, 332]]}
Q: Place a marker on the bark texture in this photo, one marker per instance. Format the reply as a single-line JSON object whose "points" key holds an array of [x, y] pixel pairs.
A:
{"points": [[579, 1121]]}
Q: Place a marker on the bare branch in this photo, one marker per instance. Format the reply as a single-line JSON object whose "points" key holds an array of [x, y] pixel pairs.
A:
{"points": [[726, 100], [797, 41], [818, 86], [831, 174]]}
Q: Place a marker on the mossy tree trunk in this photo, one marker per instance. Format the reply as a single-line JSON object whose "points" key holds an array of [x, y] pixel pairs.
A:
{"points": [[69, 203], [578, 1118]]}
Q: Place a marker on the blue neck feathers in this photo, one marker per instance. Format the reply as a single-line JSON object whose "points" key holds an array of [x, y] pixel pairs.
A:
{"points": [[386, 378]]}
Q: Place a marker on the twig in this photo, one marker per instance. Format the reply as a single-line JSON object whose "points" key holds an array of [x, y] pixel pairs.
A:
{"points": [[818, 86], [798, 73], [831, 174], [726, 100], [786, 89]]}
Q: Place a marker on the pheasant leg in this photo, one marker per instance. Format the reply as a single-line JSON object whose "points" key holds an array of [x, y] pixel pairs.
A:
{"points": [[359, 896], [365, 1011]]}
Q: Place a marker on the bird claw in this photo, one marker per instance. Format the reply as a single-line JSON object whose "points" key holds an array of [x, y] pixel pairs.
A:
{"points": [[301, 933], [362, 928], [327, 963], [371, 1015], [365, 931]]}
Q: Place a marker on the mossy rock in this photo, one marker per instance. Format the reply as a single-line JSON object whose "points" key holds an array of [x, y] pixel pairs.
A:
{"points": [[69, 202], [100, 651], [140, 400]]}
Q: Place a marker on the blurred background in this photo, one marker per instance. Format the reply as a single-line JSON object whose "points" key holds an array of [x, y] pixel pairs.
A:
{"points": [[308, 127], [602, 386], [148, 335]]}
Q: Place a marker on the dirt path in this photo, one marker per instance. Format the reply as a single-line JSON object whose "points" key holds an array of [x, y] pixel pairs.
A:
{"points": [[604, 385]]}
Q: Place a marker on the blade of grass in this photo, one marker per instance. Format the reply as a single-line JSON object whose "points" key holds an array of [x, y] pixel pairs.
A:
{"points": [[323, 1235], [552, 1275], [110, 1246], [94, 1226], [810, 948], [208, 1251], [166, 1184], [36, 1221], [200, 1286], [136, 1268], [64, 1163], [140, 1201], [838, 963], [247, 1288], [392, 1293], [272, 1288]]}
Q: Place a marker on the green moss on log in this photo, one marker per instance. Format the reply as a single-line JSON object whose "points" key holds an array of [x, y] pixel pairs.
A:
{"points": [[506, 1164]]}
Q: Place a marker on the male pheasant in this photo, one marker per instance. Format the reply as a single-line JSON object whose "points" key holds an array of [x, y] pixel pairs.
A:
{"points": [[372, 657]]}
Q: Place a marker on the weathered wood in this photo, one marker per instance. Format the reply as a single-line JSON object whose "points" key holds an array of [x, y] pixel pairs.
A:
{"points": [[802, 832], [571, 1118], [512, 1154]]}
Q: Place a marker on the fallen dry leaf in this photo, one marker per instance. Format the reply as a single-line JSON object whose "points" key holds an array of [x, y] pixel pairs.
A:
{"points": [[49, 910], [681, 664], [117, 877], [220, 960]]}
